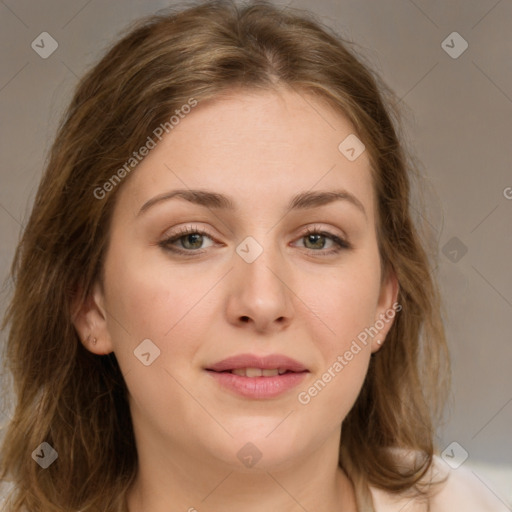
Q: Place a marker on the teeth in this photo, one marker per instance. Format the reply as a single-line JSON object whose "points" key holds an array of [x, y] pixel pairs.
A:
{"points": [[253, 372], [239, 371], [257, 372]]}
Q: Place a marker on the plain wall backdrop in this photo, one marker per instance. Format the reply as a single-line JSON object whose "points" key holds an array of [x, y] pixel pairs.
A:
{"points": [[459, 126]]}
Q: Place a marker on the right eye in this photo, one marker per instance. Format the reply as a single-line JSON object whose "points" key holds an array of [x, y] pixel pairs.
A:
{"points": [[190, 238]]}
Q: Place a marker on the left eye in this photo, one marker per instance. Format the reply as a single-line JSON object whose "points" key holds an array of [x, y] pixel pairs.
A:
{"points": [[317, 240]]}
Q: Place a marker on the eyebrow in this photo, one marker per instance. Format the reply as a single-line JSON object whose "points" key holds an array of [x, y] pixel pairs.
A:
{"points": [[214, 200]]}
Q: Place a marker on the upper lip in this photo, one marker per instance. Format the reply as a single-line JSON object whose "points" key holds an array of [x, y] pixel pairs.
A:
{"points": [[254, 361]]}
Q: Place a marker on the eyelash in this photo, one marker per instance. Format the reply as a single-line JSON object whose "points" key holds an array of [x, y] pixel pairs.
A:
{"points": [[190, 230]]}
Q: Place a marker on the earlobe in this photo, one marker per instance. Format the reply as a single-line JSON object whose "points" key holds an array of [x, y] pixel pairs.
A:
{"points": [[90, 321], [88, 340]]}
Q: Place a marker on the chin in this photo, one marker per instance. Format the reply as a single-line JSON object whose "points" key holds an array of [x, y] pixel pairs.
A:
{"points": [[254, 449]]}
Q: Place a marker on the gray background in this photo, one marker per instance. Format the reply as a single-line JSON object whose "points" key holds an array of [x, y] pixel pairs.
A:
{"points": [[460, 126]]}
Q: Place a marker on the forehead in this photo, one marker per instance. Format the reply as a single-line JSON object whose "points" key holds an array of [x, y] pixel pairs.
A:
{"points": [[259, 147]]}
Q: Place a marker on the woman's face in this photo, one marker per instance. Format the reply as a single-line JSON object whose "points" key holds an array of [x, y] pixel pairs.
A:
{"points": [[259, 278]]}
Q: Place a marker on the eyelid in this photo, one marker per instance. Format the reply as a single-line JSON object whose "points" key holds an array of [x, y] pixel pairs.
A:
{"points": [[328, 231], [184, 230]]}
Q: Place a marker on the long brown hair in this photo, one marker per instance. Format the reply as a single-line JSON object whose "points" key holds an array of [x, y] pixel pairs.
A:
{"points": [[75, 400]]}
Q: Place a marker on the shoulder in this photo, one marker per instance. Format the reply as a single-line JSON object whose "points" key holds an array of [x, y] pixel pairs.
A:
{"points": [[461, 490]]}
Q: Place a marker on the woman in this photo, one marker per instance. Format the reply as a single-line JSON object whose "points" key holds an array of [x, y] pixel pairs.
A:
{"points": [[221, 300]]}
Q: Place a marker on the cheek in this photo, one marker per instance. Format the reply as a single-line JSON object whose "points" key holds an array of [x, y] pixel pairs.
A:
{"points": [[152, 300], [345, 356], [346, 305], [346, 302], [173, 309], [168, 308]]}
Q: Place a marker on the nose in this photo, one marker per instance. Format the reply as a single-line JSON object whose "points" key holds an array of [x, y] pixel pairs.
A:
{"points": [[259, 295]]}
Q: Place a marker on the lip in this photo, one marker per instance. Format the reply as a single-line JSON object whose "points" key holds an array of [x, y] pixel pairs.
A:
{"points": [[258, 387], [255, 361]]}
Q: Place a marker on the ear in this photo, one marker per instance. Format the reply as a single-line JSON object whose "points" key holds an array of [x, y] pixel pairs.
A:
{"points": [[387, 308], [90, 321]]}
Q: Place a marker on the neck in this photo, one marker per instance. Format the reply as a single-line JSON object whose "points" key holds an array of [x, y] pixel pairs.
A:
{"points": [[185, 483]]}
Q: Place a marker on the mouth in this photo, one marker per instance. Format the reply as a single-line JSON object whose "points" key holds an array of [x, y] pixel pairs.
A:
{"points": [[258, 377], [258, 372]]}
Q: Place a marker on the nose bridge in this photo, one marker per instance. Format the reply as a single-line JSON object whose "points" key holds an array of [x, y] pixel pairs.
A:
{"points": [[260, 293], [261, 263]]}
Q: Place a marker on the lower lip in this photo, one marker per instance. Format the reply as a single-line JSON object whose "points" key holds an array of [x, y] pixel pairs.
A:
{"points": [[258, 387]]}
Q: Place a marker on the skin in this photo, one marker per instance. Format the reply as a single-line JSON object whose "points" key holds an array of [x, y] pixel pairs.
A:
{"points": [[260, 149]]}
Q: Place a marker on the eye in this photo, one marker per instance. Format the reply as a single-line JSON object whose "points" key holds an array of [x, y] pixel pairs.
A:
{"points": [[190, 238], [315, 240]]}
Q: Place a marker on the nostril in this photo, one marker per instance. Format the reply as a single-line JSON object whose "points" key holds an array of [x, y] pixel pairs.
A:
{"points": [[244, 319]]}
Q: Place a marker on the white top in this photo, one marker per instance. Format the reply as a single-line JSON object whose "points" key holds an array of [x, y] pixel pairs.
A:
{"points": [[463, 491]]}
